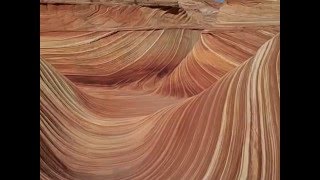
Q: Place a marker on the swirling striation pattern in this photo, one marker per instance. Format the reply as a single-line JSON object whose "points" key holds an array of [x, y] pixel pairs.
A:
{"points": [[160, 94]]}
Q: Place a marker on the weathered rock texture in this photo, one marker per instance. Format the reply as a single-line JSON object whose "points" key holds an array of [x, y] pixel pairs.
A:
{"points": [[132, 92]]}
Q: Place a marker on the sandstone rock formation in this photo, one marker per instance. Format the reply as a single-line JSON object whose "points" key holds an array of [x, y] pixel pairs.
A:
{"points": [[140, 91]]}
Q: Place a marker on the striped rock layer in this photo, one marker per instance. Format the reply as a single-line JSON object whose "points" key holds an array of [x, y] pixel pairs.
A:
{"points": [[131, 92]]}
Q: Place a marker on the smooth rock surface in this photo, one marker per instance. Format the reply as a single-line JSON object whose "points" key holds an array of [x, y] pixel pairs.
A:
{"points": [[160, 92]]}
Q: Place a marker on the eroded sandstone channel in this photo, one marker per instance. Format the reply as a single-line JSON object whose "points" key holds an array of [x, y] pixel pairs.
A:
{"points": [[159, 89]]}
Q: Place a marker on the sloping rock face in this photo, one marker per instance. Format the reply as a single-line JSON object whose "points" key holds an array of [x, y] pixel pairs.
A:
{"points": [[149, 91]]}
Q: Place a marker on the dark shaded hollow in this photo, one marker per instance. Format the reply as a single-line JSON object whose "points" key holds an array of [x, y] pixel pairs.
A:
{"points": [[169, 9]]}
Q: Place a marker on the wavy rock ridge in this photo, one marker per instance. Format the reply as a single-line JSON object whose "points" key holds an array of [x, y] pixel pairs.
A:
{"points": [[161, 95]]}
